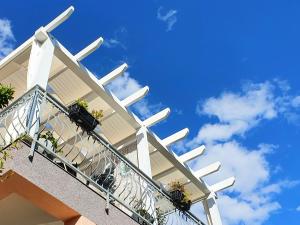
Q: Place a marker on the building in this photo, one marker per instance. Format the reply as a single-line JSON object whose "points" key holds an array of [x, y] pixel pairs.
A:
{"points": [[61, 171]]}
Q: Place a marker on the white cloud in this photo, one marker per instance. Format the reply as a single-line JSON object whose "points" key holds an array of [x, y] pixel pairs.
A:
{"points": [[251, 200], [124, 86], [169, 18], [117, 40], [6, 38], [112, 43], [298, 208]]}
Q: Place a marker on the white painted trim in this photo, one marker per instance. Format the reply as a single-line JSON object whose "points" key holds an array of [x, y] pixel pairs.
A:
{"points": [[212, 168], [113, 74], [211, 210], [135, 97], [223, 184], [157, 118], [59, 19], [175, 137], [192, 154], [89, 49]]}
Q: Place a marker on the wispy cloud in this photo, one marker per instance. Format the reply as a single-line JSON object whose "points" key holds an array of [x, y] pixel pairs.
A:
{"points": [[298, 208], [124, 86], [170, 17], [252, 199], [7, 38], [112, 43], [117, 40]]}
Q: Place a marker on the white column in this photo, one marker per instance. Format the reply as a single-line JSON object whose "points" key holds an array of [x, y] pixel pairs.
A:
{"points": [[40, 60], [211, 210], [145, 166], [143, 151]]}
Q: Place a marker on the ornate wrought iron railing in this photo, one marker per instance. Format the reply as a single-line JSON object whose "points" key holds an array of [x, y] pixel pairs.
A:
{"points": [[88, 157]]}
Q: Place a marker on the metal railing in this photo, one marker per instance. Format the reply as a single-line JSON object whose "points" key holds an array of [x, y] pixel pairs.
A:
{"points": [[89, 158]]}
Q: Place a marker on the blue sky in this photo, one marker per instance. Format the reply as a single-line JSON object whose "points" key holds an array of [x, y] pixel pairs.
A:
{"points": [[229, 70]]}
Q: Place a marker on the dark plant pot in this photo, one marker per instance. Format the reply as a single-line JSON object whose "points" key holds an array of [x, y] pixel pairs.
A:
{"points": [[82, 117], [184, 206], [144, 214], [69, 169], [48, 155], [177, 198]]}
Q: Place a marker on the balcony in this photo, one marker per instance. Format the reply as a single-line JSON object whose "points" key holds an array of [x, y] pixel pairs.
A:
{"points": [[87, 157]]}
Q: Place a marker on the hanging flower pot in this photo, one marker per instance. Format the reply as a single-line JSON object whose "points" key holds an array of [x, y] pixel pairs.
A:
{"points": [[82, 117], [179, 196], [78, 113]]}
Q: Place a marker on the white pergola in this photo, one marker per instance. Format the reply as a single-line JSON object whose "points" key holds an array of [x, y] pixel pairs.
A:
{"points": [[43, 60]]}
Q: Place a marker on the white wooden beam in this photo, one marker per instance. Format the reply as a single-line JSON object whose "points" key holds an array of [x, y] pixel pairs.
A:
{"points": [[211, 210], [135, 97], [113, 74], [175, 137], [214, 167], [157, 118], [223, 184], [89, 49], [60, 19], [192, 154]]}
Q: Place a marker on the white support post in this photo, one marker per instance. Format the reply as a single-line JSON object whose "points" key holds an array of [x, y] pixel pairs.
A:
{"points": [[211, 210], [144, 164], [135, 97], [157, 118], [40, 60], [175, 137], [143, 151]]}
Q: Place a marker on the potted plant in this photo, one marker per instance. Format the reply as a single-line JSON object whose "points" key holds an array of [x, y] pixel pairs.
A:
{"points": [[78, 113], [160, 217], [180, 197], [6, 95], [51, 143]]}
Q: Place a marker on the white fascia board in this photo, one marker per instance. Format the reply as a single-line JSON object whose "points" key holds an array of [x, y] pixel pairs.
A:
{"points": [[157, 143], [89, 49], [212, 168], [175, 137], [223, 184], [11, 56], [157, 118], [59, 19], [113, 74], [90, 79], [135, 97], [192, 154]]}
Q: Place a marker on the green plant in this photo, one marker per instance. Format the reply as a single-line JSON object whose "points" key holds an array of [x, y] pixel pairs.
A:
{"points": [[6, 95], [5, 153], [48, 136], [177, 186], [160, 217], [98, 114], [83, 103]]}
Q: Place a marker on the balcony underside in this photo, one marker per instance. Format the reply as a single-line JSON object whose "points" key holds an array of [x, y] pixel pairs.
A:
{"points": [[54, 191]]}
